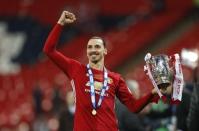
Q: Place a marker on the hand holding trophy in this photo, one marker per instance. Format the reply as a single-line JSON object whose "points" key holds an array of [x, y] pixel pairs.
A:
{"points": [[165, 72]]}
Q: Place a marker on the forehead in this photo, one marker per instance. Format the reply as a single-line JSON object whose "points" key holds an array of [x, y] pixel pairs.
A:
{"points": [[95, 42]]}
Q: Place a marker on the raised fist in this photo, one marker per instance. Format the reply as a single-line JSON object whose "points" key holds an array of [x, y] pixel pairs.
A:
{"points": [[66, 18]]}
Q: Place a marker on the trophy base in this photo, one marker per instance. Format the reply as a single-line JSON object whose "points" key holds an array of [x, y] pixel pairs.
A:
{"points": [[163, 85]]}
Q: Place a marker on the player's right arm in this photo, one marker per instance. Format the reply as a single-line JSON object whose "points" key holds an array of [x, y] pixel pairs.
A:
{"points": [[63, 62]]}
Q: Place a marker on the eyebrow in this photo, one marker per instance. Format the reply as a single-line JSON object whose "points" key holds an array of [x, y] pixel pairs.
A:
{"points": [[95, 44]]}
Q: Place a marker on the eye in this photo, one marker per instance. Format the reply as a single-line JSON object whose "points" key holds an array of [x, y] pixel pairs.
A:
{"points": [[97, 46], [89, 46]]}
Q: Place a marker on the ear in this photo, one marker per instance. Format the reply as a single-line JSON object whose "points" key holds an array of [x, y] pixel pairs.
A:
{"points": [[105, 51]]}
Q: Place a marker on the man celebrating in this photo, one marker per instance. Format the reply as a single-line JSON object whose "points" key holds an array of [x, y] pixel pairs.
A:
{"points": [[94, 86]]}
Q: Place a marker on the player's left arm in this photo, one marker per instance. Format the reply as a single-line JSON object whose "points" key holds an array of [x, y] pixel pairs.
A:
{"points": [[126, 97]]}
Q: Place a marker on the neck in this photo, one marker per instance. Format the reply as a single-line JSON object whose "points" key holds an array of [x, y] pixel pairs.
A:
{"points": [[98, 65]]}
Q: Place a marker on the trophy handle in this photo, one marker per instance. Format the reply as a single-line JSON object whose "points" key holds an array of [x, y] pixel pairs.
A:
{"points": [[148, 72]]}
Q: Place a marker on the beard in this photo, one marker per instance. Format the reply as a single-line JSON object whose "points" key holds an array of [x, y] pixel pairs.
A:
{"points": [[95, 59]]}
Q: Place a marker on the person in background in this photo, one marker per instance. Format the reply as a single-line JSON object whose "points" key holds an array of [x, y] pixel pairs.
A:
{"points": [[37, 99], [193, 116], [66, 116], [125, 117]]}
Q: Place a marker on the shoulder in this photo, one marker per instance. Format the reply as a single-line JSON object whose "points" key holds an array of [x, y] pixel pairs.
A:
{"points": [[77, 67], [82, 67], [77, 64], [114, 75]]}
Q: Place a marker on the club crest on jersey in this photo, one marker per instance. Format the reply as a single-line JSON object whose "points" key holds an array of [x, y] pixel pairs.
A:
{"points": [[99, 77], [97, 85]]}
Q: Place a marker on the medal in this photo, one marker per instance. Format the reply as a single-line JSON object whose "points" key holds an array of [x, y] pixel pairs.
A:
{"points": [[92, 89], [94, 112]]}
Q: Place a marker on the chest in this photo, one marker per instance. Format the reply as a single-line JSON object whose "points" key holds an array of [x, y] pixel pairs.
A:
{"points": [[83, 86]]}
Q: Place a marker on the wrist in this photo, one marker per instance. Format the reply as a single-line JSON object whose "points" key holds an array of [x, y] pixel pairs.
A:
{"points": [[61, 23], [153, 91]]}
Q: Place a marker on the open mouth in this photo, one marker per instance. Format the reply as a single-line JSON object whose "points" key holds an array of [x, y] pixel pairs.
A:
{"points": [[94, 54]]}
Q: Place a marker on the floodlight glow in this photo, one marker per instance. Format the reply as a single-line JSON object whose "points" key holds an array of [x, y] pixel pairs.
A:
{"points": [[190, 57]]}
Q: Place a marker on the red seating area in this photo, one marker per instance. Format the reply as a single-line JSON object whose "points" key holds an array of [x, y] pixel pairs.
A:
{"points": [[47, 11], [15, 100], [125, 43], [16, 92], [138, 36], [188, 40]]}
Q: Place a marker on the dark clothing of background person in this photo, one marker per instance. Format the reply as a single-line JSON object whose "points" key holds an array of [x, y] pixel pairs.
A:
{"points": [[37, 98], [193, 117], [182, 109], [66, 120], [127, 120]]}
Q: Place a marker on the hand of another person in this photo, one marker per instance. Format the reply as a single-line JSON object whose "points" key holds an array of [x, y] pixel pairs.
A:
{"points": [[167, 90], [164, 91]]}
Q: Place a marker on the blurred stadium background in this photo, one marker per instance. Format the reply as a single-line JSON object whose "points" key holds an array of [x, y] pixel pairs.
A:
{"points": [[33, 89]]}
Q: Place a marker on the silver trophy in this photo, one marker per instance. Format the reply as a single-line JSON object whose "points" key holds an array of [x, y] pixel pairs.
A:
{"points": [[158, 69], [164, 71]]}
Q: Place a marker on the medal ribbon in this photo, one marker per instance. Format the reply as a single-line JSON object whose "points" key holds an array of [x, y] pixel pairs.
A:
{"points": [[178, 80], [92, 88]]}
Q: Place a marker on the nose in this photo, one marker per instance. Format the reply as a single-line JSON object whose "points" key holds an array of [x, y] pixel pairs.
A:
{"points": [[92, 49]]}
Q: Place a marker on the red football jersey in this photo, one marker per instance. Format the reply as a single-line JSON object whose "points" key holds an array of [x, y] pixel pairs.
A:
{"points": [[105, 119]]}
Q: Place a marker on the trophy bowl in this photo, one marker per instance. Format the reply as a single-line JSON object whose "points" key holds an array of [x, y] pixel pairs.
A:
{"points": [[160, 69]]}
